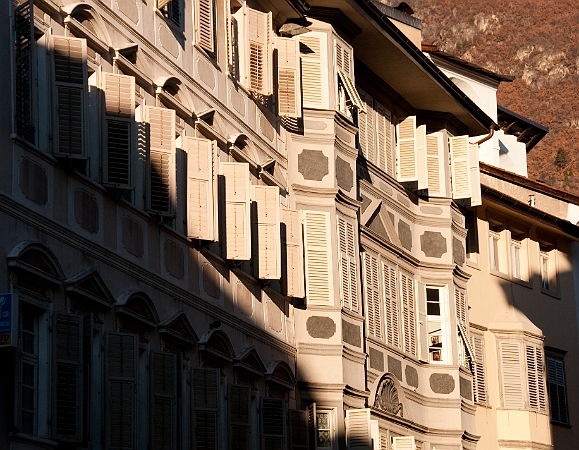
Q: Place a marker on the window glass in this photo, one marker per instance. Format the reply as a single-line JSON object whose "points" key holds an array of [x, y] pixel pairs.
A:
{"points": [[324, 438]]}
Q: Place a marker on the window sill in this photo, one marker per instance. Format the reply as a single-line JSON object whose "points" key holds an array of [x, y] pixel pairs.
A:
{"points": [[176, 29], [555, 295], [499, 274], [523, 283], [207, 56], [559, 424], [33, 439], [472, 264]]}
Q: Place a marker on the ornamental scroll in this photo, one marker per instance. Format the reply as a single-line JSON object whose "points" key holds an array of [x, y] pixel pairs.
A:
{"points": [[387, 397]]}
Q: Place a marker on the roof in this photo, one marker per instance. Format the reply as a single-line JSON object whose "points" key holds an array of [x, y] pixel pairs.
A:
{"points": [[396, 14], [524, 129]]}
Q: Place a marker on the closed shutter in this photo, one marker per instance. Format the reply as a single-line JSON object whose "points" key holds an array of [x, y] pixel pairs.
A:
{"points": [[292, 220], [536, 378], [68, 354], [557, 391], [239, 417], [268, 231], [372, 293], [366, 130], [316, 243], [121, 373], [237, 210], [161, 170], [273, 423], [461, 183], [119, 93], [23, 68], [434, 164], [200, 193], [348, 264], [406, 149], [384, 138], [391, 305], [384, 441], [423, 323], [70, 78], [421, 159], [358, 431], [479, 379], [164, 399], [403, 443], [314, 75], [475, 197], [408, 314], [312, 425], [259, 51], [88, 362], [206, 25], [298, 430], [511, 375], [288, 77], [205, 408]]}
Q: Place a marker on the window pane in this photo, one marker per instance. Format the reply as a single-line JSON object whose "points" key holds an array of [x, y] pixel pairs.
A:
{"points": [[28, 375], [27, 422], [433, 302]]}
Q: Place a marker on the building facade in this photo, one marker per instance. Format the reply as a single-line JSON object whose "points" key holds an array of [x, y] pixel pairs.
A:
{"points": [[264, 224]]}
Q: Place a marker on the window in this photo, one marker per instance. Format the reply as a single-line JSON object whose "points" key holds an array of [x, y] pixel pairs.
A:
{"points": [[349, 267], [205, 29], [408, 313], [516, 257], [390, 289], [206, 402], [436, 310], [266, 199], [273, 418], [479, 378], [165, 390], [28, 371], [372, 294], [557, 390], [23, 54], [321, 423], [548, 267], [472, 245], [495, 247], [171, 9]]}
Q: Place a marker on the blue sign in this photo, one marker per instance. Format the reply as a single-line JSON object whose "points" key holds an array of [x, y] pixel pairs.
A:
{"points": [[6, 311]]}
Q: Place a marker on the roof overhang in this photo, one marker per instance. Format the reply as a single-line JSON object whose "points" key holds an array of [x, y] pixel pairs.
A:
{"points": [[526, 131]]}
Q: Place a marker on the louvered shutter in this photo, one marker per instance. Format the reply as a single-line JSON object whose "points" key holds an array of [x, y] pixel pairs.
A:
{"points": [[268, 231], [345, 67], [536, 378], [421, 160], [358, 431], [164, 399], [292, 220], [206, 25], [314, 75], [119, 91], [88, 341], [384, 138], [479, 379], [288, 77], [200, 192], [475, 197], [161, 168], [434, 164], [391, 305], [348, 265], [422, 323], [408, 313], [70, 78], [312, 425], [366, 127], [461, 183], [259, 51], [461, 306], [273, 423], [384, 441], [239, 417], [237, 210], [68, 354], [557, 391], [121, 373], [511, 375], [375, 427], [298, 430], [23, 67], [406, 150], [205, 408], [372, 293], [403, 443], [317, 259]]}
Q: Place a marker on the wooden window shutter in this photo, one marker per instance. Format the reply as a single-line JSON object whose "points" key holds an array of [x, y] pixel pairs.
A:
{"points": [[459, 149], [164, 399], [366, 127], [406, 150], [423, 323], [23, 67], [237, 210], [391, 305], [403, 443], [318, 263], [479, 379], [259, 51], [200, 189], [408, 314], [511, 375], [268, 231], [161, 168], [314, 75], [461, 306], [312, 425], [384, 138], [557, 391], [162, 3], [273, 423], [348, 264], [434, 164], [292, 220], [358, 431], [288, 77], [68, 354], [239, 417], [121, 374], [71, 82], [535, 378], [206, 25], [88, 341], [421, 159], [119, 93], [206, 408], [475, 197], [372, 291], [375, 427], [299, 430]]}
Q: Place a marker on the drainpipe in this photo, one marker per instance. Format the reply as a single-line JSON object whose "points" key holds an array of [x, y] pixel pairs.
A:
{"points": [[488, 136]]}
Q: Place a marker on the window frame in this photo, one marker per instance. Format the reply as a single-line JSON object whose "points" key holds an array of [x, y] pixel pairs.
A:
{"points": [[443, 319], [332, 412], [550, 356]]}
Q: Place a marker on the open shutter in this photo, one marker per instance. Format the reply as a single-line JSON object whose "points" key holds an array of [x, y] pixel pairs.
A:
{"points": [[460, 167], [164, 397], [511, 375], [312, 425], [119, 93], [391, 305], [475, 197], [403, 443], [71, 81], [384, 138], [421, 159], [434, 164], [239, 417], [408, 313], [121, 365], [316, 243], [366, 130], [557, 391], [479, 379], [372, 293], [288, 77], [68, 354], [206, 25], [348, 264], [161, 169], [206, 408], [406, 149], [237, 210], [293, 244], [200, 199], [358, 431], [314, 75], [461, 306], [536, 378], [273, 423], [259, 51], [299, 430], [268, 231], [88, 362], [23, 67], [375, 427], [423, 323]]}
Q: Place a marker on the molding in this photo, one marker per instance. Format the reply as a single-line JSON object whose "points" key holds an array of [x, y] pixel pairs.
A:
{"points": [[310, 191], [93, 40], [354, 356], [431, 402], [169, 100], [507, 443], [319, 349], [128, 67]]}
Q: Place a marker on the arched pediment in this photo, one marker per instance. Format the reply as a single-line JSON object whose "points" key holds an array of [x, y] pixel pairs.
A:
{"points": [[139, 307], [172, 95], [389, 396], [217, 344], [35, 259], [92, 27], [249, 360], [243, 150], [88, 285], [178, 327], [280, 373]]}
